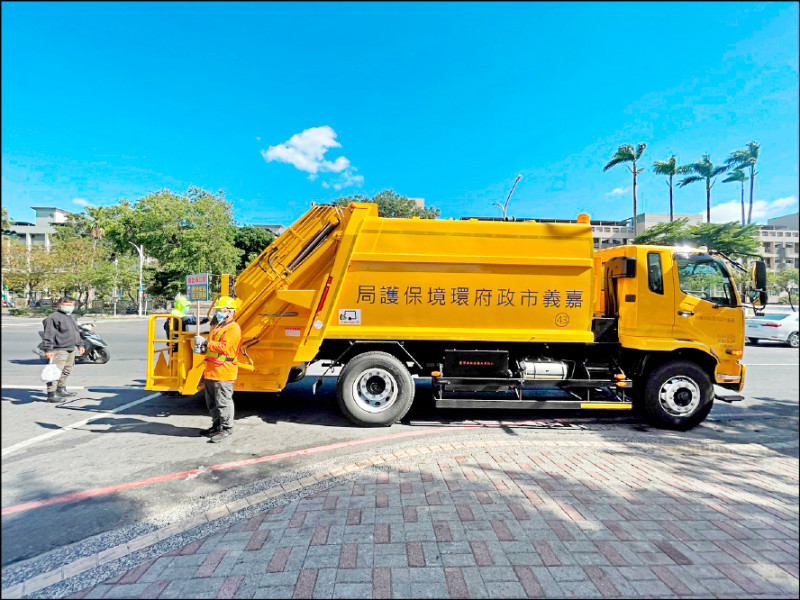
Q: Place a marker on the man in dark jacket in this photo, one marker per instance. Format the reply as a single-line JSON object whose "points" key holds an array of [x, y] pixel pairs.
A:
{"points": [[60, 340]]}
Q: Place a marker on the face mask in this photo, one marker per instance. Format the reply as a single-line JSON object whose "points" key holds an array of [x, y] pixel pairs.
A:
{"points": [[186, 310], [67, 309], [222, 315]]}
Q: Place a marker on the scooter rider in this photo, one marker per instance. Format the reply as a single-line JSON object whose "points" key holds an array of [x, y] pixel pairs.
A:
{"points": [[221, 348], [60, 339]]}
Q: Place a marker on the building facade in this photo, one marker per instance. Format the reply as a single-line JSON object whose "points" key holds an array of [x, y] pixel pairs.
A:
{"points": [[38, 233]]}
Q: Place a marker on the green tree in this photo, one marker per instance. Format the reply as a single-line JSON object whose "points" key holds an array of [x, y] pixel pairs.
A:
{"points": [[26, 268], [392, 204], [746, 157], [665, 234], [670, 169], [625, 154], [737, 176], [703, 169], [731, 238], [7, 222], [783, 280], [251, 241], [187, 233]]}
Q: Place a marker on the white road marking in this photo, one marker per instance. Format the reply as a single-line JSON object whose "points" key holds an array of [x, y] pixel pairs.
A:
{"points": [[772, 365], [60, 430], [99, 388]]}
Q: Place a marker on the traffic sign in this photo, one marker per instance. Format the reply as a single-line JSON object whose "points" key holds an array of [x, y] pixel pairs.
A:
{"points": [[197, 287]]}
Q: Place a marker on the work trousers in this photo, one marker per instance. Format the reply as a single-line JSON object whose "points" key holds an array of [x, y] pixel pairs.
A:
{"points": [[65, 360], [219, 400]]}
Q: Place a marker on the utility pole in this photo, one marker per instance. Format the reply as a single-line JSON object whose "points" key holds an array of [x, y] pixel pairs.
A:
{"points": [[140, 250]]}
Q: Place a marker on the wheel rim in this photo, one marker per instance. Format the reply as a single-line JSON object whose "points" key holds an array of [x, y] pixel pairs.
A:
{"points": [[794, 340], [375, 390], [679, 396]]}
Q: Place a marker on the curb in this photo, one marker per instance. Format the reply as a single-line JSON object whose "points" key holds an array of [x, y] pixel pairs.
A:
{"points": [[104, 557]]}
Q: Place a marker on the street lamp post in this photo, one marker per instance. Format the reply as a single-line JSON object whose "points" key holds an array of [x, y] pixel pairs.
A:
{"points": [[140, 250]]}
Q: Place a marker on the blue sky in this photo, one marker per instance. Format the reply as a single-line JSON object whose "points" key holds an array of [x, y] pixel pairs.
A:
{"points": [[280, 105]]}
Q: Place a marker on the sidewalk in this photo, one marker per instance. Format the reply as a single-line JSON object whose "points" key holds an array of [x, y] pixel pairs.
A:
{"points": [[489, 514]]}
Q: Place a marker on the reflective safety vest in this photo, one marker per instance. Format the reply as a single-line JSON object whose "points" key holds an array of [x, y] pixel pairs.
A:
{"points": [[215, 357]]}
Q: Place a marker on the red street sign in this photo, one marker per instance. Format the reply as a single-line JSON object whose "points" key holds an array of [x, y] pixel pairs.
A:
{"points": [[195, 279]]}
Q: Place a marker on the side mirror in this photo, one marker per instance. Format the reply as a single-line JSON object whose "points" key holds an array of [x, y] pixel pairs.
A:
{"points": [[758, 298], [758, 275]]}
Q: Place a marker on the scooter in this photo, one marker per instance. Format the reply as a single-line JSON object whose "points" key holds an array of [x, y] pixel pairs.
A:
{"points": [[97, 350]]}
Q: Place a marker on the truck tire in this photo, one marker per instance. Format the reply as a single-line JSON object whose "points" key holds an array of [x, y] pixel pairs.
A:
{"points": [[374, 389], [678, 395], [753, 341]]}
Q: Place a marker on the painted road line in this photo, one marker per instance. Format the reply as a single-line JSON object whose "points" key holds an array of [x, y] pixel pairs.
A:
{"points": [[99, 388], [25, 506], [49, 434], [773, 365]]}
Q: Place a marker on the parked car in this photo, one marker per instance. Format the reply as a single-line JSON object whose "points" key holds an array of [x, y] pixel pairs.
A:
{"points": [[777, 327]]}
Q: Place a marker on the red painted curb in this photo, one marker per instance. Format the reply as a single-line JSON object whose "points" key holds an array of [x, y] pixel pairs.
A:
{"points": [[25, 506]]}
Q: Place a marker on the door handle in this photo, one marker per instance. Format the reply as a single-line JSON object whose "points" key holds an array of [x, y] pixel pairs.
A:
{"points": [[685, 313]]}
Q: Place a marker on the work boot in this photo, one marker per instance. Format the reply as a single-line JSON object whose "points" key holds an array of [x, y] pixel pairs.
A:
{"points": [[52, 397], [62, 391], [210, 431], [221, 435]]}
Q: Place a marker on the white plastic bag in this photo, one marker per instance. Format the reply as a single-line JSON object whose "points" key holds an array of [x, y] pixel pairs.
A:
{"points": [[51, 372]]}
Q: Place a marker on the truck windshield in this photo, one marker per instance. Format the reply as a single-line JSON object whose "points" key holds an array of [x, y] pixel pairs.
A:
{"points": [[705, 277]]}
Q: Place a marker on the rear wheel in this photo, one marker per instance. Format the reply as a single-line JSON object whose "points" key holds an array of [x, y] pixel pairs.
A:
{"points": [[678, 395], [793, 340], [101, 355], [374, 389], [753, 341]]}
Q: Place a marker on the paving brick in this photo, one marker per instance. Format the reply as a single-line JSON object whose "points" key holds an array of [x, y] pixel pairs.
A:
{"points": [[279, 559], [349, 556], [677, 556], [382, 533], [502, 531], [354, 516], [154, 589], [483, 557], [735, 574], [560, 530], [210, 564], [416, 555]]}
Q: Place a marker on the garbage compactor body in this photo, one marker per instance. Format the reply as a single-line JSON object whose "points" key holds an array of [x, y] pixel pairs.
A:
{"points": [[478, 305]]}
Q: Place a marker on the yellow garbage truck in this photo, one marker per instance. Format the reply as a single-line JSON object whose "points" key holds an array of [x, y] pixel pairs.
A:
{"points": [[499, 314]]}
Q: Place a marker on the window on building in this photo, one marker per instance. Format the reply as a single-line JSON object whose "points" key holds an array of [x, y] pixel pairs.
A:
{"points": [[655, 278]]}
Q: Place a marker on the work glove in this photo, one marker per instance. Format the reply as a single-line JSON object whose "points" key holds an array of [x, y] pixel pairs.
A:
{"points": [[200, 344]]}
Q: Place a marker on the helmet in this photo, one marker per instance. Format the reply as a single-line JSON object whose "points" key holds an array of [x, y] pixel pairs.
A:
{"points": [[181, 304], [226, 302]]}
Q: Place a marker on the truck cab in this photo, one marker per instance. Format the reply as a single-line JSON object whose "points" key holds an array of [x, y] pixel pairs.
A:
{"points": [[672, 304]]}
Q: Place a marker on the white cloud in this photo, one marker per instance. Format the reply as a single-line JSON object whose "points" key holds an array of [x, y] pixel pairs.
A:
{"points": [[258, 138], [306, 151], [617, 191], [81, 202], [762, 209]]}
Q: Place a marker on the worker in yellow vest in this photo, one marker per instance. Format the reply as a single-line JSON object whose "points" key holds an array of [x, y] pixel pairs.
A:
{"points": [[223, 344]]}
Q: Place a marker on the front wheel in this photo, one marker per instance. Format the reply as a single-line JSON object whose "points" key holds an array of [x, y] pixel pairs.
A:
{"points": [[678, 395], [374, 389], [101, 355]]}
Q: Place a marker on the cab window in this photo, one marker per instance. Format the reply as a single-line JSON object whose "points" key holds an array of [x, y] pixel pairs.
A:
{"points": [[655, 278], [705, 278]]}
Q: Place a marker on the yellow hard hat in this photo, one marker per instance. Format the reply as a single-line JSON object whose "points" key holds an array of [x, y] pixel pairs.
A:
{"points": [[226, 302]]}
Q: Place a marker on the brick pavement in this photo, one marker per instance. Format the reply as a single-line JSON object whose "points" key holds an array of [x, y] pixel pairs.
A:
{"points": [[511, 519]]}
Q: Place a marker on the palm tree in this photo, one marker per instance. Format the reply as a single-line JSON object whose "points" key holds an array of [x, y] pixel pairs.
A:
{"points": [[703, 169], [737, 175], [746, 157], [669, 168], [626, 153]]}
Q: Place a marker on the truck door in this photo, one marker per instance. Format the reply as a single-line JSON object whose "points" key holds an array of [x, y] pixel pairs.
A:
{"points": [[706, 303]]}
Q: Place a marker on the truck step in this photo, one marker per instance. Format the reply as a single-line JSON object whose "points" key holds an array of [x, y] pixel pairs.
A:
{"points": [[530, 404], [729, 399]]}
